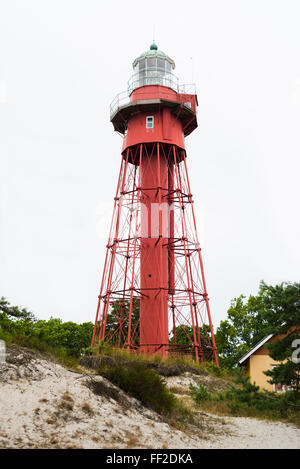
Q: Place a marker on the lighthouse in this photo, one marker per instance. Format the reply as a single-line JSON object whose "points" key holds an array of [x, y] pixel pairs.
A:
{"points": [[153, 296]]}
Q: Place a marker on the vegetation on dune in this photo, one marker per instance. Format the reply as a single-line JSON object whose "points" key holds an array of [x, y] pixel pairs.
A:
{"points": [[139, 380], [273, 310], [142, 383], [143, 377], [173, 365], [247, 400]]}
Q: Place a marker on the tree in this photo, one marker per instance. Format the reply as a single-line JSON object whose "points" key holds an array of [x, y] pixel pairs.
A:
{"points": [[185, 335], [69, 336], [13, 312], [117, 323], [274, 310], [281, 309], [245, 326], [17, 325]]}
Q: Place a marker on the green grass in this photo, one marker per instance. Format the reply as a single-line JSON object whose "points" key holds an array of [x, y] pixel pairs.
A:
{"points": [[170, 366], [143, 377]]}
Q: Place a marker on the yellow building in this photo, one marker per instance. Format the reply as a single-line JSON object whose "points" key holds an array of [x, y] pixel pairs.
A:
{"points": [[258, 360]]}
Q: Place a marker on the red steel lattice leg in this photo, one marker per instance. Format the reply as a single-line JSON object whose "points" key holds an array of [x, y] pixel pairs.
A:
{"points": [[153, 295]]}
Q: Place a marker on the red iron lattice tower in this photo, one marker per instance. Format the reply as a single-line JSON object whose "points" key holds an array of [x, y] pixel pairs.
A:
{"points": [[153, 295]]}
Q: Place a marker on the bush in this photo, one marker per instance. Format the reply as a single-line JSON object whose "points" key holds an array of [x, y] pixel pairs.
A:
{"points": [[212, 368], [248, 395], [200, 393], [143, 384], [101, 388], [245, 398]]}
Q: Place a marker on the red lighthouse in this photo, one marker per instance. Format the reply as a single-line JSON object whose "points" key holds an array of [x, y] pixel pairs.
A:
{"points": [[153, 295]]}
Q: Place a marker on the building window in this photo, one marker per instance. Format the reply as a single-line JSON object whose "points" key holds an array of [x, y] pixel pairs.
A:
{"points": [[278, 387], [149, 122]]}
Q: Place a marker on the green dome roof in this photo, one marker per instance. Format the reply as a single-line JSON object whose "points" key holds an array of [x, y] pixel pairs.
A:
{"points": [[154, 51]]}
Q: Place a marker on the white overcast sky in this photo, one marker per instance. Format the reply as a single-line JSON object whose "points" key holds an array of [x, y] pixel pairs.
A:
{"points": [[61, 64]]}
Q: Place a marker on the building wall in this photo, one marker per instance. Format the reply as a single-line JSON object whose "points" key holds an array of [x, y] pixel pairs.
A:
{"points": [[259, 364]]}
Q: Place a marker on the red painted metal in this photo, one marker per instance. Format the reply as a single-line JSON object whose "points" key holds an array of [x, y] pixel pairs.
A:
{"points": [[167, 128], [153, 295]]}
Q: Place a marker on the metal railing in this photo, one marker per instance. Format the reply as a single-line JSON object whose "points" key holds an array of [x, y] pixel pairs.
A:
{"points": [[123, 98], [189, 88], [152, 77], [120, 100]]}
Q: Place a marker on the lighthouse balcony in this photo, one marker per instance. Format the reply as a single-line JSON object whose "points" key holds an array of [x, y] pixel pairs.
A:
{"points": [[183, 102], [124, 98]]}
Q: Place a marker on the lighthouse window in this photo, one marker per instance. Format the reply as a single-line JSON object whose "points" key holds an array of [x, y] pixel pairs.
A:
{"points": [[168, 66], [151, 63], [149, 122], [161, 64], [142, 64]]}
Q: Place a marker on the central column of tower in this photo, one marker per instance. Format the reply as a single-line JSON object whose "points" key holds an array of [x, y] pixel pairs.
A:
{"points": [[154, 267]]}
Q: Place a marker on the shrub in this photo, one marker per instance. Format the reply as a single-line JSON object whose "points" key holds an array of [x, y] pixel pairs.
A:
{"points": [[142, 383], [212, 368], [101, 388], [245, 398], [200, 393], [249, 395]]}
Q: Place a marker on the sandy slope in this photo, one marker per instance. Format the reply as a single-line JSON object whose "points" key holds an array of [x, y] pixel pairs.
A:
{"points": [[44, 405]]}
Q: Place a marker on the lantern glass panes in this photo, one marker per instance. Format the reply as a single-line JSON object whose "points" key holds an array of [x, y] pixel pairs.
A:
{"points": [[153, 70]]}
